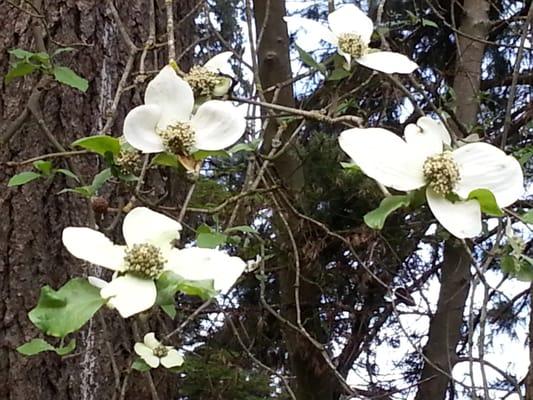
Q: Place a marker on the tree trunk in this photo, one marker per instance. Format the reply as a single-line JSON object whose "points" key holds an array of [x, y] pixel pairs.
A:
{"points": [[34, 215], [314, 379], [445, 326]]}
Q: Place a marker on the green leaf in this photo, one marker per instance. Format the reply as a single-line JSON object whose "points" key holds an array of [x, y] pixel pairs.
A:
{"points": [[23, 178], [376, 218], [242, 228], [527, 217], [41, 58], [69, 348], [210, 240], [308, 60], [517, 267], [203, 154], [350, 166], [85, 191], [203, 228], [169, 283], [35, 346], [44, 166], [169, 309], [66, 310], [99, 144], [428, 22], [68, 173], [20, 53], [246, 147], [338, 74], [18, 69], [68, 77], [203, 289], [487, 201], [101, 178], [166, 160], [62, 50], [140, 365]]}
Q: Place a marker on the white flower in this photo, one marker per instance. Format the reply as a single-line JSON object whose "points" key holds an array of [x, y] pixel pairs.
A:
{"points": [[165, 122], [420, 160], [350, 31], [154, 353], [220, 63], [197, 264], [149, 251], [213, 78]]}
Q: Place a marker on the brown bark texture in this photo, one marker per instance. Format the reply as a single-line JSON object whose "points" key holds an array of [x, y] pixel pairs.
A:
{"points": [[440, 352], [34, 215]]}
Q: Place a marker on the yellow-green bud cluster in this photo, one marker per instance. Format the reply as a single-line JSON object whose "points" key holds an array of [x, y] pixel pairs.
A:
{"points": [[129, 161], [202, 81], [144, 260], [160, 351], [352, 44], [441, 173], [178, 138]]}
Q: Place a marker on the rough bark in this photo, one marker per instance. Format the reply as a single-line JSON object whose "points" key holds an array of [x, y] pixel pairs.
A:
{"points": [[33, 216], [529, 376], [444, 332], [313, 378], [445, 326]]}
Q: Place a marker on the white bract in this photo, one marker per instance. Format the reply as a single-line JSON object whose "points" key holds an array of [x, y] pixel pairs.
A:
{"points": [[166, 123], [420, 160], [350, 31], [154, 353], [149, 251], [212, 78]]}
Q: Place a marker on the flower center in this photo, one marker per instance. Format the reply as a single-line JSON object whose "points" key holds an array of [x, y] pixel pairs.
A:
{"points": [[352, 44], [160, 351], [202, 81], [178, 138], [129, 161], [145, 260], [441, 173]]}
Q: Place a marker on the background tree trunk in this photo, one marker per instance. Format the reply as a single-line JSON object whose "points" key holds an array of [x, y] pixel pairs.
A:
{"points": [[34, 215], [445, 326]]}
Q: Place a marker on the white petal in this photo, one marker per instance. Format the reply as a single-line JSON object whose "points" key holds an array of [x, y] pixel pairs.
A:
{"points": [[130, 295], [424, 139], [313, 27], [97, 282], [217, 124], [142, 350], [140, 129], [220, 63], [388, 62], [384, 156], [201, 264], [93, 246], [430, 124], [143, 225], [147, 354], [483, 166], [346, 56], [175, 97], [150, 340], [350, 19], [462, 218], [172, 359]]}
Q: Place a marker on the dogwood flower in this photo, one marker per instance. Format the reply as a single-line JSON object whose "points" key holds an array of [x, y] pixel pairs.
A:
{"points": [[154, 353], [213, 78], [420, 160], [149, 251], [166, 123], [350, 31]]}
